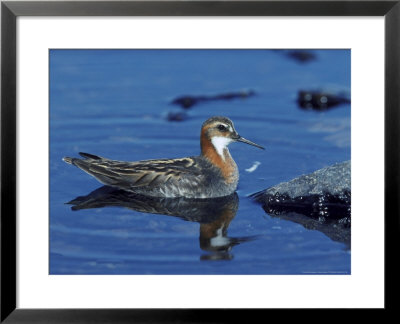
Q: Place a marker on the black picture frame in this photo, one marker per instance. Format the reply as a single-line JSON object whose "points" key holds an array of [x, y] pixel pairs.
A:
{"points": [[10, 10]]}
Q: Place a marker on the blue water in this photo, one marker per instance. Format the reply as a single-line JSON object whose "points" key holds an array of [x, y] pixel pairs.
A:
{"points": [[114, 103]]}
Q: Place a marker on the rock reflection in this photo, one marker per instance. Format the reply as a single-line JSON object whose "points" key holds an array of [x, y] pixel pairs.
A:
{"points": [[336, 230], [213, 215]]}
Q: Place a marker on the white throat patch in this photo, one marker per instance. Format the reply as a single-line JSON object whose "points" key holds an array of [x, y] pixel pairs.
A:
{"points": [[220, 143]]}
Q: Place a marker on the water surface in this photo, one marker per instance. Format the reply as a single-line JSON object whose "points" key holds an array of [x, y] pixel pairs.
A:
{"points": [[115, 103]]}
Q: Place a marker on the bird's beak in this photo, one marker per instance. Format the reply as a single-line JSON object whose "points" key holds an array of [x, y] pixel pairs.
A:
{"points": [[243, 140]]}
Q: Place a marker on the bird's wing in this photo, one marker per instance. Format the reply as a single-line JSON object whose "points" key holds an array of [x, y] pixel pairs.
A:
{"points": [[149, 173]]}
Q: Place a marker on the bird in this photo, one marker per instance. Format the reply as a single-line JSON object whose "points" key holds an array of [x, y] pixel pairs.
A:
{"points": [[211, 174]]}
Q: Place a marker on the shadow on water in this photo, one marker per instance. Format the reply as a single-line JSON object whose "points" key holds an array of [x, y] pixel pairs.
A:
{"points": [[213, 215]]}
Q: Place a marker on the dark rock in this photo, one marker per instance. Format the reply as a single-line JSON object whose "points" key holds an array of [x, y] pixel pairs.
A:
{"points": [[334, 180], [177, 116], [319, 100], [301, 56], [189, 101], [320, 200]]}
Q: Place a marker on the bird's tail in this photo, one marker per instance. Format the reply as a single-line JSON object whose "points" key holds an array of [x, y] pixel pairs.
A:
{"points": [[67, 160], [85, 155]]}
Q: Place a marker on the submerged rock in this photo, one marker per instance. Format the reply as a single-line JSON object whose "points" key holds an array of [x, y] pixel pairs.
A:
{"points": [[298, 55], [320, 100], [187, 102], [301, 56], [177, 116], [320, 200]]}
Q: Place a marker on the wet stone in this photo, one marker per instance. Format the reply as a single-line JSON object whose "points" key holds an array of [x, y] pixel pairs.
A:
{"points": [[321, 198], [320, 100], [189, 101], [301, 56], [177, 116], [333, 180]]}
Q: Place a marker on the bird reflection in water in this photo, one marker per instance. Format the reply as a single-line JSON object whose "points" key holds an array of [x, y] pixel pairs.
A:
{"points": [[214, 215]]}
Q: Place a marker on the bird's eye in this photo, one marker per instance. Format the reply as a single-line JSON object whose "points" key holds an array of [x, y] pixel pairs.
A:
{"points": [[222, 128]]}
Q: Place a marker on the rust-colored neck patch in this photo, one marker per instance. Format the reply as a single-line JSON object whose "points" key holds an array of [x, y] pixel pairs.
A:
{"points": [[226, 164]]}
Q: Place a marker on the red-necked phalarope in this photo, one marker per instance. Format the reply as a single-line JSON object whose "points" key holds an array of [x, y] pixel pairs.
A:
{"points": [[211, 174]]}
